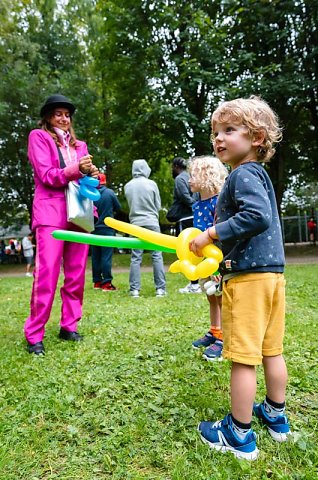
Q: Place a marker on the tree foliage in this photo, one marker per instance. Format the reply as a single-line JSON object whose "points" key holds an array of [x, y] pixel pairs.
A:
{"points": [[40, 54], [146, 76], [170, 63]]}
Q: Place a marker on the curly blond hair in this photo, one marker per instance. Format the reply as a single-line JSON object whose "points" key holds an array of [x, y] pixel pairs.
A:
{"points": [[257, 116], [209, 173]]}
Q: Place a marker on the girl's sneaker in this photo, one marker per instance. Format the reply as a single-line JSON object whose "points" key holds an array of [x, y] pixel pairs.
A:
{"points": [[191, 288], [278, 427], [221, 436], [205, 341], [214, 352]]}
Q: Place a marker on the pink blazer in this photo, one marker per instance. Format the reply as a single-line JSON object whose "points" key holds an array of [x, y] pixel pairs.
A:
{"points": [[49, 204]]}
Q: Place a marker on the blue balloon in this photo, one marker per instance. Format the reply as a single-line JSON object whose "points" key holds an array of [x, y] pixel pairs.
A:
{"points": [[89, 181], [90, 192], [88, 188]]}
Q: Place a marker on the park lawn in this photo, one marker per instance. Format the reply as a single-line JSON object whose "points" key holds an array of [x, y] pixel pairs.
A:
{"points": [[125, 403]]}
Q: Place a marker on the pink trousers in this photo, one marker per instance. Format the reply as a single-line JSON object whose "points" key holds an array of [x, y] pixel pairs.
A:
{"points": [[51, 254]]}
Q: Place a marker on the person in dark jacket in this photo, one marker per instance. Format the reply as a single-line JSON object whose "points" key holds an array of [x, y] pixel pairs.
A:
{"points": [[182, 196], [181, 208], [107, 206]]}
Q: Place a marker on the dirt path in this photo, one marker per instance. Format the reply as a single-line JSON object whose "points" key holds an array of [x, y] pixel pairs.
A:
{"points": [[302, 260]]}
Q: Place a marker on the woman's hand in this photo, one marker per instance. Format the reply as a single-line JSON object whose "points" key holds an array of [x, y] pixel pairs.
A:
{"points": [[205, 238], [87, 167], [85, 164], [94, 171]]}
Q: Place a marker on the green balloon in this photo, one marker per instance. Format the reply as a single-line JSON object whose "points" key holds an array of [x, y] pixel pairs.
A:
{"points": [[108, 241]]}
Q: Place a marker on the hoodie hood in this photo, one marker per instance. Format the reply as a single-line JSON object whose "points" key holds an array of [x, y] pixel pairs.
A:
{"points": [[140, 168]]}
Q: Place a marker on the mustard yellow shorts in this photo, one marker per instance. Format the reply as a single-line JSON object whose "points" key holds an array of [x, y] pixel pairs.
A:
{"points": [[253, 317]]}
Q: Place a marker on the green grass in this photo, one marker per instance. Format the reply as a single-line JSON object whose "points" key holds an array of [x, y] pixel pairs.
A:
{"points": [[125, 403], [120, 261]]}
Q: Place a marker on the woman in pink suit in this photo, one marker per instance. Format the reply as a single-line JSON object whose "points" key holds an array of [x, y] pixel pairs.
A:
{"points": [[56, 137]]}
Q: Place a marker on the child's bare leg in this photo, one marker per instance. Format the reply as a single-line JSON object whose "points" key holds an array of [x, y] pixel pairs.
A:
{"points": [[215, 330], [243, 391], [275, 377], [215, 310]]}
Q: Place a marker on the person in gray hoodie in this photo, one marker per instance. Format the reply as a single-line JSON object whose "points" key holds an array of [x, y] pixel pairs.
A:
{"points": [[144, 203]]}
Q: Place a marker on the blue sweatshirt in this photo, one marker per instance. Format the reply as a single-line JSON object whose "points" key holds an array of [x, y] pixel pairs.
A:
{"points": [[107, 206], [248, 223]]}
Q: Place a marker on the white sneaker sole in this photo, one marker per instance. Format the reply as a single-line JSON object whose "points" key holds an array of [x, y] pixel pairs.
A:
{"points": [[212, 359], [200, 291], [223, 449], [279, 437], [134, 293]]}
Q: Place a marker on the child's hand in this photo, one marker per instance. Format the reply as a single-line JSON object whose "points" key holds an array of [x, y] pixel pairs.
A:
{"points": [[198, 243]]}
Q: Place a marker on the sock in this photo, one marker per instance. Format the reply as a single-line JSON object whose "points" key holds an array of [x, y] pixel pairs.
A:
{"points": [[241, 429], [217, 333], [273, 409]]}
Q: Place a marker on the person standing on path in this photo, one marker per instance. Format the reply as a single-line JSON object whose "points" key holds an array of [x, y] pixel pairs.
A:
{"points": [[27, 247], [144, 202], [312, 226]]}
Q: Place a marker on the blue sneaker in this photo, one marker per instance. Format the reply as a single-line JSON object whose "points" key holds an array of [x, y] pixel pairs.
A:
{"points": [[214, 352], [205, 341], [221, 436], [277, 427]]}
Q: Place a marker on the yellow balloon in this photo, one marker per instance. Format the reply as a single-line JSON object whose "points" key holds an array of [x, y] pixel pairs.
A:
{"points": [[193, 272], [207, 267], [192, 266], [189, 270], [142, 233], [175, 267], [212, 251], [183, 240]]}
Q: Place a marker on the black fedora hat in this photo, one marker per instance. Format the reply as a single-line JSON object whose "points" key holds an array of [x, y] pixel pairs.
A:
{"points": [[56, 101]]}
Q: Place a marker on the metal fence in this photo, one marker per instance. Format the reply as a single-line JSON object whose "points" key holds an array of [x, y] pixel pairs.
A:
{"points": [[295, 228]]}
